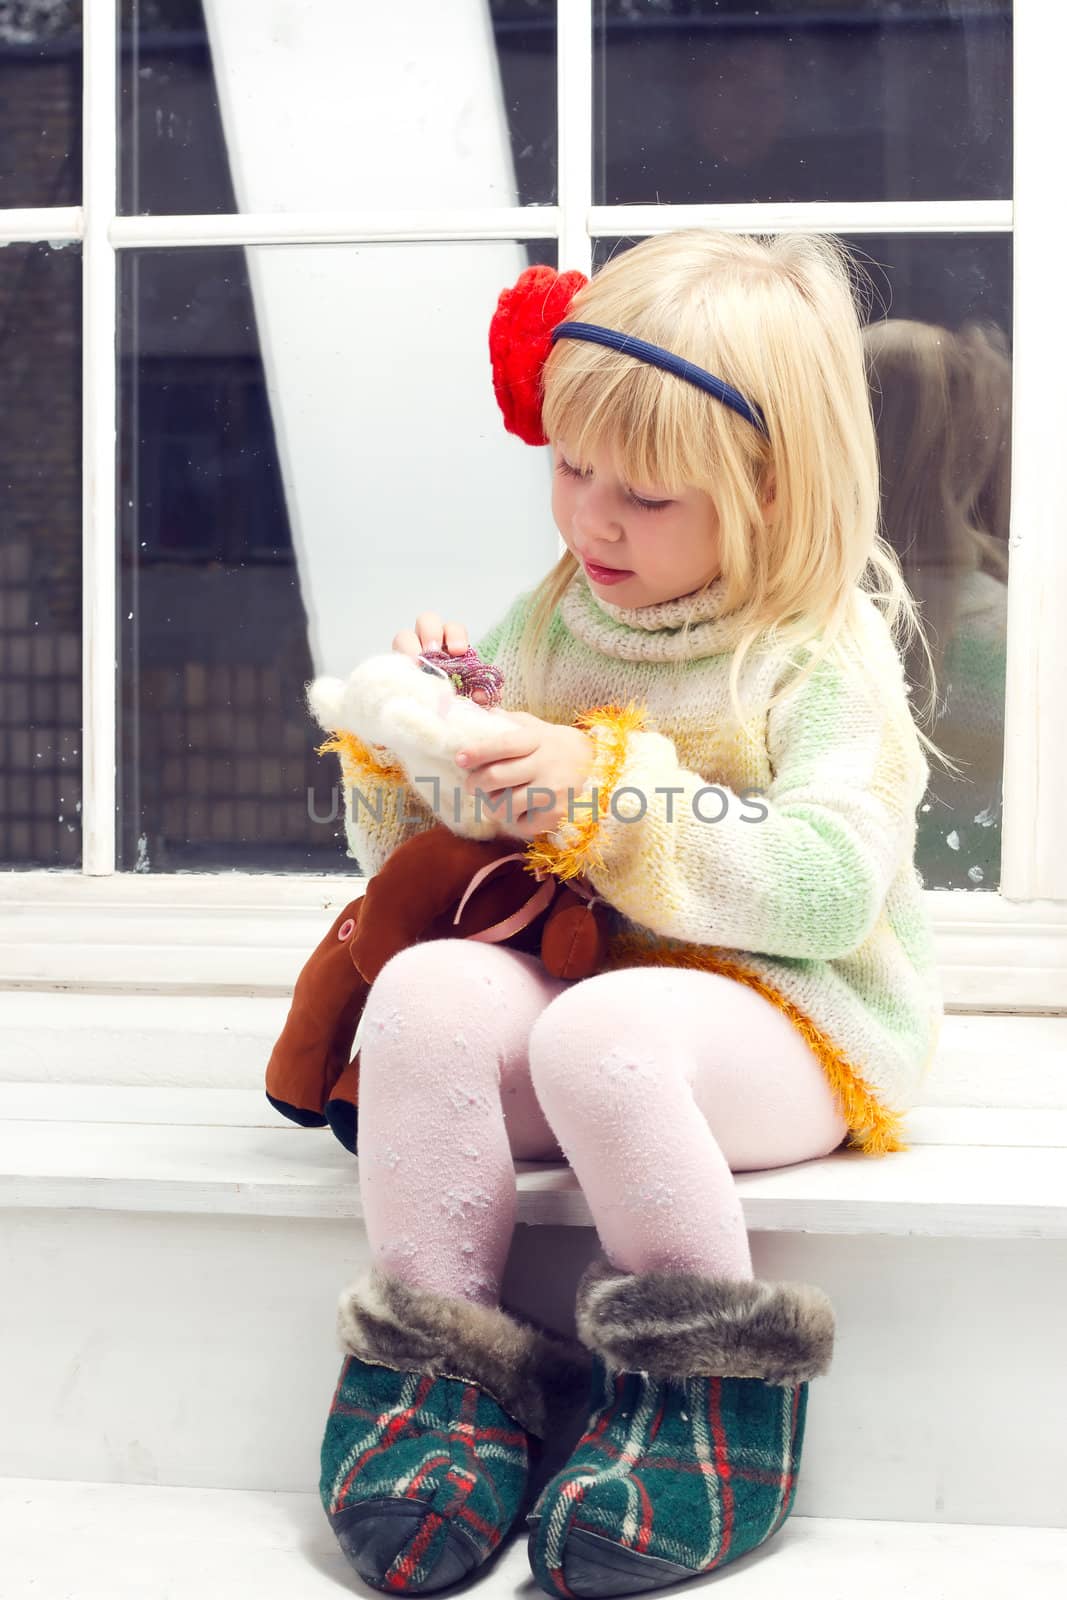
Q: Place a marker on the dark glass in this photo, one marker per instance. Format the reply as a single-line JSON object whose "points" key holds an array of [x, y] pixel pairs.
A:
{"points": [[40, 557], [40, 103], [939, 337], [223, 598], [791, 101], [372, 107]]}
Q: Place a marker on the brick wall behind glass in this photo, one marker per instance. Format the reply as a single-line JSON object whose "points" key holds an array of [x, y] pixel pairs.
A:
{"points": [[228, 770], [40, 557]]}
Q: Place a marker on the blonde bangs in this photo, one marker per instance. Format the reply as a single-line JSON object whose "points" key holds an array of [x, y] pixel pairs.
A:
{"points": [[655, 425]]}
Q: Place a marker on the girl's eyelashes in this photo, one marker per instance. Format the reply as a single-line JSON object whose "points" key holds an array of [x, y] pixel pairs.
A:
{"points": [[646, 505]]}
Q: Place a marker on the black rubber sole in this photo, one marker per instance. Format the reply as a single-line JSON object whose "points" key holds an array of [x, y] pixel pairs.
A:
{"points": [[595, 1565]]}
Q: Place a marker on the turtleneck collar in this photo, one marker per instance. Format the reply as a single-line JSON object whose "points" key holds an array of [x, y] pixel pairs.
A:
{"points": [[651, 633]]}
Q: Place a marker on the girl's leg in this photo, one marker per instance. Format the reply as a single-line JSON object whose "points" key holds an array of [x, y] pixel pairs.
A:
{"points": [[446, 1106], [658, 1082]]}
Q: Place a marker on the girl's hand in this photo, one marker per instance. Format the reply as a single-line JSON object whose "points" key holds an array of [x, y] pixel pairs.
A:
{"points": [[534, 756], [427, 634]]}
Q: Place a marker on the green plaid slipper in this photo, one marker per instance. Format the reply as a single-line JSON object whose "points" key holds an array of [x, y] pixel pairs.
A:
{"points": [[440, 1408], [691, 1451]]}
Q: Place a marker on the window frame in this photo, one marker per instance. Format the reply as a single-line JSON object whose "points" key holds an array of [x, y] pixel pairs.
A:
{"points": [[1003, 949]]}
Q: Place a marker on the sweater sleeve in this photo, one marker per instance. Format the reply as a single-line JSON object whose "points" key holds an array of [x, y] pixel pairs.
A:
{"points": [[382, 809], [802, 869]]}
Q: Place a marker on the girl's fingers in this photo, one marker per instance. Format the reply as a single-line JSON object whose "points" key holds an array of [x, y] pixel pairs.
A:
{"points": [[407, 642], [430, 629], [436, 634], [524, 743], [496, 775], [428, 633]]}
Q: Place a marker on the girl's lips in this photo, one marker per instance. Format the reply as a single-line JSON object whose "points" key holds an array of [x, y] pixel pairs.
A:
{"points": [[608, 572]]}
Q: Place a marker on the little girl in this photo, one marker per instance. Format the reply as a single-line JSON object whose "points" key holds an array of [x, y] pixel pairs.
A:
{"points": [[708, 686]]}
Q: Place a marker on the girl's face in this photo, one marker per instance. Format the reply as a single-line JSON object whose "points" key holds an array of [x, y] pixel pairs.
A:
{"points": [[668, 545]]}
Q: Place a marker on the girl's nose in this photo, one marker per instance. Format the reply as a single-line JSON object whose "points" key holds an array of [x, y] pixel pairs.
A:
{"points": [[595, 516]]}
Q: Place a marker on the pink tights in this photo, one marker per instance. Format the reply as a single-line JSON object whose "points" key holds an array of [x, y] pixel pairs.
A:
{"points": [[653, 1083]]}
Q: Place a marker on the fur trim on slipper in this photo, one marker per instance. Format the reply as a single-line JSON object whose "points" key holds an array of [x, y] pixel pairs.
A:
{"points": [[682, 1324], [534, 1373]]}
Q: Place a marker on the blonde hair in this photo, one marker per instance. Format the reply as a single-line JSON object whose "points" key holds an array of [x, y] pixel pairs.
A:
{"points": [[944, 442], [776, 318]]}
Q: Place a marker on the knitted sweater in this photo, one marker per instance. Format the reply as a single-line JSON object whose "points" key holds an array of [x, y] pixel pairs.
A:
{"points": [[807, 891]]}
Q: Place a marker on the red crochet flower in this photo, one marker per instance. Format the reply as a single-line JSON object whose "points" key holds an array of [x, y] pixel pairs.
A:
{"points": [[520, 337]]}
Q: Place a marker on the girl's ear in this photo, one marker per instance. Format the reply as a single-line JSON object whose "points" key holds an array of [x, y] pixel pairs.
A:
{"points": [[769, 495]]}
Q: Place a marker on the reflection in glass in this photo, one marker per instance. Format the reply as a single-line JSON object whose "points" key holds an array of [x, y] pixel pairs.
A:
{"points": [[40, 557], [351, 107], [40, 103], [942, 404], [794, 101], [938, 343], [310, 454]]}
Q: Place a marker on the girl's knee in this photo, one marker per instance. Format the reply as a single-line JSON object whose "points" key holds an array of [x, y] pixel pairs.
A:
{"points": [[585, 1047], [498, 991], [418, 1005], [435, 966]]}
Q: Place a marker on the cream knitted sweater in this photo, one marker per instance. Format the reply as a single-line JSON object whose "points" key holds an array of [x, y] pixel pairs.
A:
{"points": [[807, 891]]}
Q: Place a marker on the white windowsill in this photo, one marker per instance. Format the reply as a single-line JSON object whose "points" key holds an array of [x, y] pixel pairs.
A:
{"points": [[962, 1178], [238, 933]]}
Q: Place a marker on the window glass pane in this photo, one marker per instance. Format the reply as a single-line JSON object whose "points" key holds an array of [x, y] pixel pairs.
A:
{"points": [[939, 353], [243, 105], [40, 557], [791, 101], [40, 103], [310, 454]]}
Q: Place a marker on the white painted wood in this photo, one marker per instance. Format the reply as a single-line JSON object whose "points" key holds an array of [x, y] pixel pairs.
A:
{"points": [[995, 1126], [200, 1351], [220, 933], [249, 1545], [1000, 1060], [965, 1191], [249, 1108], [225, 1041], [1035, 752], [994, 953], [860, 216], [70, 891], [211, 1041], [192, 1108], [337, 227], [99, 561], [546, 222], [574, 111], [45, 224]]}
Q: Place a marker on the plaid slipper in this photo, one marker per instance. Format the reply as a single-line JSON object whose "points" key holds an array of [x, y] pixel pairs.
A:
{"points": [[691, 1451], [440, 1408]]}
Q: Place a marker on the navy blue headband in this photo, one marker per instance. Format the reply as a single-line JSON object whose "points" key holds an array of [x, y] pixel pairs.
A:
{"points": [[657, 357]]}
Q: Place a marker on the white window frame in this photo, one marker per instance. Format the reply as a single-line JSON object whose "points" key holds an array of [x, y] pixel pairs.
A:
{"points": [[249, 933]]}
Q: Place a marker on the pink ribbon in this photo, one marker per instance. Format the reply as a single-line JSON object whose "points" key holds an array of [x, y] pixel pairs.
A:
{"points": [[526, 913]]}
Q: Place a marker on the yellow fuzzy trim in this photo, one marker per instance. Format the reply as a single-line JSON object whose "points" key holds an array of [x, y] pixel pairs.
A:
{"points": [[358, 760], [568, 861], [872, 1127]]}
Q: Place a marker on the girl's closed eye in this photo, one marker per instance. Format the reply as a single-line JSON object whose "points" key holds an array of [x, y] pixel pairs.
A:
{"points": [[568, 471]]}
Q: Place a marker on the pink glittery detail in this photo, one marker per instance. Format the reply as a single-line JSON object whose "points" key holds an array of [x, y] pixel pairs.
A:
{"points": [[468, 672]]}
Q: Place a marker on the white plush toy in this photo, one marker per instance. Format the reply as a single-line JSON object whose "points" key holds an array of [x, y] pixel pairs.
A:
{"points": [[415, 712]]}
